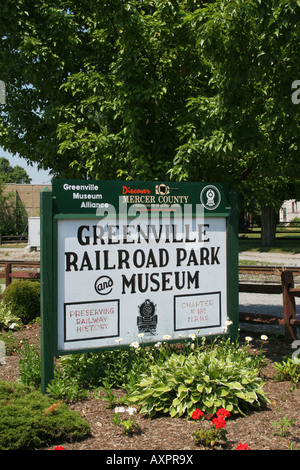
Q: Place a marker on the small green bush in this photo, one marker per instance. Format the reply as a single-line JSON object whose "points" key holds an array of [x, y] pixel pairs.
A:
{"points": [[29, 419], [295, 222], [224, 376], [23, 299]]}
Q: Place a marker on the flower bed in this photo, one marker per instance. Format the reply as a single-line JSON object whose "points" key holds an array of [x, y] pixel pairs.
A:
{"points": [[258, 429]]}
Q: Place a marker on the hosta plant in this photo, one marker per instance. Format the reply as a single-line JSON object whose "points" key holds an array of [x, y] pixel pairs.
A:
{"points": [[217, 377], [7, 319]]}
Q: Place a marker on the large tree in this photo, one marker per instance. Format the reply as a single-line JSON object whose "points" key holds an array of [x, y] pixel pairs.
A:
{"points": [[247, 128], [12, 174], [155, 89], [99, 85], [42, 44]]}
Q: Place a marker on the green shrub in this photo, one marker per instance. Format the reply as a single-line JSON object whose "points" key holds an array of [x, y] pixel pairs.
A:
{"points": [[29, 419], [23, 299], [295, 222], [224, 376]]}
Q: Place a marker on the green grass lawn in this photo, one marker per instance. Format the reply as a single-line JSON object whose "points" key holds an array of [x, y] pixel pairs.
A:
{"points": [[285, 243]]}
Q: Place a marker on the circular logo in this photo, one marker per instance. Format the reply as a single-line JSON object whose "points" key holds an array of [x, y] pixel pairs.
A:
{"points": [[147, 309], [103, 285], [210, 197]]}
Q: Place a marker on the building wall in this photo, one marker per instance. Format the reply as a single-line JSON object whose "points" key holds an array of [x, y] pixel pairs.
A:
{"points": [[289, 210], [29, 195]]}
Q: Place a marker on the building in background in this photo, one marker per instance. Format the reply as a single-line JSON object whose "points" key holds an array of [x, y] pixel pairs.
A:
{"points": [[289, 210], [28, 195]]}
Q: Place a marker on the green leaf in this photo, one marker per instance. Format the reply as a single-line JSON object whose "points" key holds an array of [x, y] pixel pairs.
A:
{"points": [[222, 391], [244, 396], [160, 389], [173, 412], [176, 402], [195, 398], [234, 386]]}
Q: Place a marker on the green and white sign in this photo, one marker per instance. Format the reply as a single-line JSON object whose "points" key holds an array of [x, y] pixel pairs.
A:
{"points": [[136, 261]]}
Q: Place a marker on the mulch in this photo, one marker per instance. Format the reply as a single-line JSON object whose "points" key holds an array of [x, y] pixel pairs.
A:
{"points": [[164, 433]]}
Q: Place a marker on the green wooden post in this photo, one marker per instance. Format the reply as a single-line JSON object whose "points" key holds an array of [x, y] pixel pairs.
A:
{"points": [[233, 266], [47, 303]]}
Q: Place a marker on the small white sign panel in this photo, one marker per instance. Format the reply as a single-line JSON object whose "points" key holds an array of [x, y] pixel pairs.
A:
{"points": [[139, 280], [197, 311], [88, 320]]}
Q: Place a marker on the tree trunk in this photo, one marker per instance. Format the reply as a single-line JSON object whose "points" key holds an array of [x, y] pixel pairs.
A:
{"points": [[268, 226]]}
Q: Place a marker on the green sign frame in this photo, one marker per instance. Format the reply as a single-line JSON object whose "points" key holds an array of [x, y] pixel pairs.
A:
{"points": [[78, 203]]}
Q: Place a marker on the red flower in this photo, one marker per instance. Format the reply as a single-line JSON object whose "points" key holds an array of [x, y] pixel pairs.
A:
{"points": [[243, 447], [197, 414], [59, 448], [219, 423], [222, 413]]}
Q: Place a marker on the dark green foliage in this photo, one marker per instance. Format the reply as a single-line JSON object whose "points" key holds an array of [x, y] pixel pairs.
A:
{"points": [[156, 89], [10, 390], [23, 299], [29, 419]]}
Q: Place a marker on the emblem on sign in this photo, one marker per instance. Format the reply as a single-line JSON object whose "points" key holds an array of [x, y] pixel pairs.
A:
{"points": [[147, 320], [210, 197]]}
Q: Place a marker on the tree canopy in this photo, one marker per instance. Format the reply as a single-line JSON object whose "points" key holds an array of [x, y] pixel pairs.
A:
{"points": [[155, 89], [12, 174]]}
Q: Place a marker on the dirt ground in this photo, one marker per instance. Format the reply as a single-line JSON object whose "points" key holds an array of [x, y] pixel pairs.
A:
{"points": [[18, 254], [164, 433]]}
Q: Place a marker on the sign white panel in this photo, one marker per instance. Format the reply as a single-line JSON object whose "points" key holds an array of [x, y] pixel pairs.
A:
{"points": [[139, 280]]}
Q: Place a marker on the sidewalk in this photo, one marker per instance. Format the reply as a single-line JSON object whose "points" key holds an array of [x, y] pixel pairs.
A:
{"points": [[283, 259]]}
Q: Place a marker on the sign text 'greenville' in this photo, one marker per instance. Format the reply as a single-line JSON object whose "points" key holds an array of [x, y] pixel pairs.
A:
{"points": [[186, 256]]}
